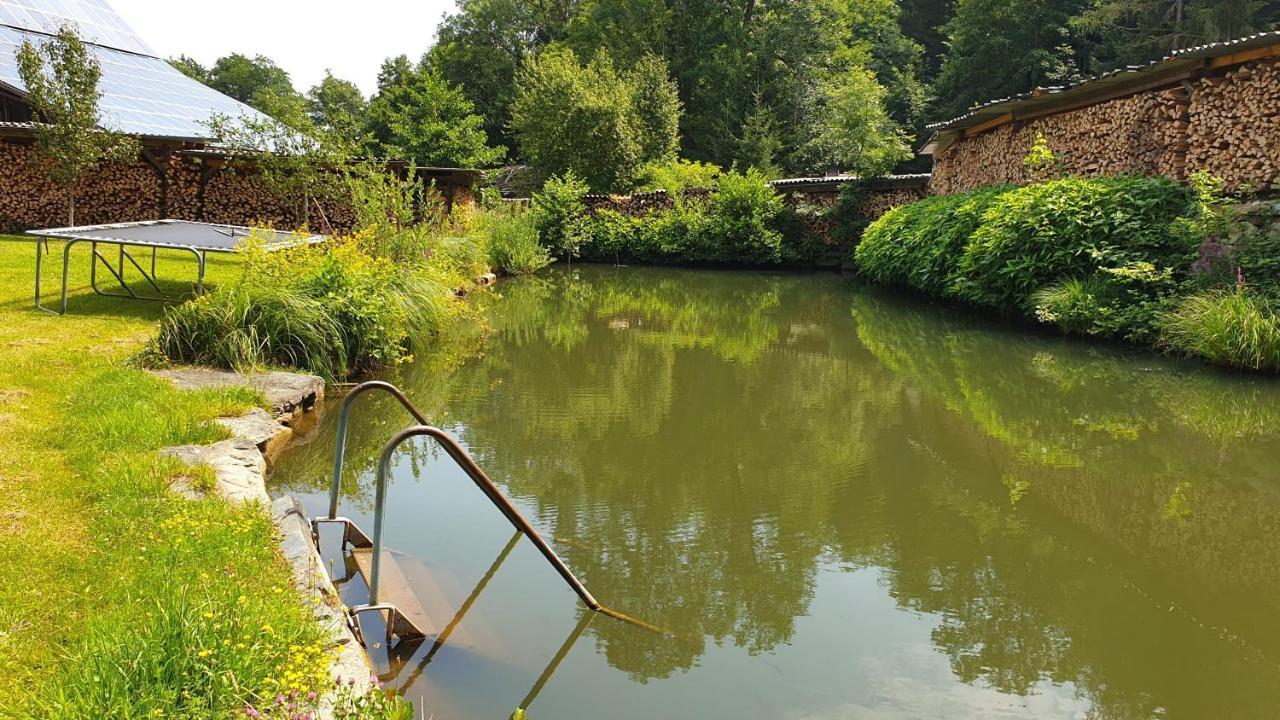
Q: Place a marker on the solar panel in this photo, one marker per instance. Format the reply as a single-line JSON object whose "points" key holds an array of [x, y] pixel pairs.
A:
{"points": [[141, 95], [95, 19]]}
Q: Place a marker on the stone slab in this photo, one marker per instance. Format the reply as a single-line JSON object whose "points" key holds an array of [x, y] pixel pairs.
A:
{"points": [[260, 428], [237, 464], [286, 393]]}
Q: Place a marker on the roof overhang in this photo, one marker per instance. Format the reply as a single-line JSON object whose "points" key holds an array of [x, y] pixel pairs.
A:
{"points": [[1167, 72]]}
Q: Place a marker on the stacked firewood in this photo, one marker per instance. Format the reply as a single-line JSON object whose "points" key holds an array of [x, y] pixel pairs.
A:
{"points": [[1227, 124], [1143, 133], [1235, 126], [29, 198]]}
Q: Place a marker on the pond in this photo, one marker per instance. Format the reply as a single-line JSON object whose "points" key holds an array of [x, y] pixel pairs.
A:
{"points": [[838, 502]]}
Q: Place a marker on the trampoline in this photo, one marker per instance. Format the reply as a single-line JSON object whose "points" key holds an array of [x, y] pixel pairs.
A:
{"points": [[197, 238]]}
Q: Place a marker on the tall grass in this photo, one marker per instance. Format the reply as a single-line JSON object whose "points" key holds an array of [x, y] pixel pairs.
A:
{"points": [[331, 310], [1227, 327], [194, 615]]}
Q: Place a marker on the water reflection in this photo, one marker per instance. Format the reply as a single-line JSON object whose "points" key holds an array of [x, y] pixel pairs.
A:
{"points": [[1069, 526]]}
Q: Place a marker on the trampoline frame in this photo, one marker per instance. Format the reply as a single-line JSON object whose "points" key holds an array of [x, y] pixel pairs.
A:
{"points": [[97, 235]]}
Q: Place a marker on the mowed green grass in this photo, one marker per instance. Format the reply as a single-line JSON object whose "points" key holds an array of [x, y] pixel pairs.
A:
{"points": [[117, 597]]}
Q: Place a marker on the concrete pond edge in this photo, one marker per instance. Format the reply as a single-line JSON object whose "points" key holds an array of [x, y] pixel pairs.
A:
{"points": [[240, 466]]}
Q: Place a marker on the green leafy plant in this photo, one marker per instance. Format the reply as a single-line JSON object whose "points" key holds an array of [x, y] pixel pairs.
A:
{"points": [[1041, 162], [61, 76], [920, 245], [1034, 236], [554, 209], [512, 241]]}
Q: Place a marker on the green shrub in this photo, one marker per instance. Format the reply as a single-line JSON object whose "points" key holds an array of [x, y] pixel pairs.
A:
{"points": [[555, 208], [331, 309], [1233, 327], [676, 175], [1037, 235], [739, 226], [920, 245], [512, 241], [734, 225]]}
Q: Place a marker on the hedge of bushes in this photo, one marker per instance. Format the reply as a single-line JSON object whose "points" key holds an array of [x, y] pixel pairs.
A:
{"points": [[1139, 259], [741, 222]]}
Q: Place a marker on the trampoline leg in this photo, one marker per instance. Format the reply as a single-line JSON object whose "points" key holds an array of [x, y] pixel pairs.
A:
{"points": [[203, 258], [66, 262], [42, 249]]}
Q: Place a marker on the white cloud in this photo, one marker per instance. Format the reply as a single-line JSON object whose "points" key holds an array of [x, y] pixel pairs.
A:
{"points": [[304, 38]]}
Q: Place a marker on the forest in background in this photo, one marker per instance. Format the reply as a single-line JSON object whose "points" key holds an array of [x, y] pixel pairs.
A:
{"points": [[608, 88]]}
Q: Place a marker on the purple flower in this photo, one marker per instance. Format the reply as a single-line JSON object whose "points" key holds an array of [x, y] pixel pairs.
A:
{"points": [[251, 712]]}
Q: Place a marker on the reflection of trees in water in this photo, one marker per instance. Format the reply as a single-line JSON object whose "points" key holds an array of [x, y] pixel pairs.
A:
{"points": [[1016, 488], [1079, 547]]}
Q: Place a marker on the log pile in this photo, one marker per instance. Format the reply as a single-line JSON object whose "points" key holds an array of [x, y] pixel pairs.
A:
{"points": [[29, 198], [1235, 126], [1140, 134], [1227, 124], [126, 192]]}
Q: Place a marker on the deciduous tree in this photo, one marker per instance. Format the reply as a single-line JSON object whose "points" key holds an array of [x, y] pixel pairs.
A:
{"points": [[61, 76]]}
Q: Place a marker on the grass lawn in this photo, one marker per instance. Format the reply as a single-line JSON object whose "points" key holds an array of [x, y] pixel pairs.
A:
{"points": [[118, 598]]}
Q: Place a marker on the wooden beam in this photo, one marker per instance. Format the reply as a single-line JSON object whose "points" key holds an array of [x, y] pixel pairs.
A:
{"points": [[1245, 56], [991, 124]]}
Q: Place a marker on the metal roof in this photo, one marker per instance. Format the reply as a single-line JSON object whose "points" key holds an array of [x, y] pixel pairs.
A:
{"points": [[882, 181], [141, 93], [1133, 76]]}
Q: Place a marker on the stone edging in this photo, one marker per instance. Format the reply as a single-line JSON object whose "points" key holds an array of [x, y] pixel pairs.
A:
{"points": [[240, 467]]}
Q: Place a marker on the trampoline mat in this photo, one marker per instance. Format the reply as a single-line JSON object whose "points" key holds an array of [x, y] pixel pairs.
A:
{"points": [[180, 233]]}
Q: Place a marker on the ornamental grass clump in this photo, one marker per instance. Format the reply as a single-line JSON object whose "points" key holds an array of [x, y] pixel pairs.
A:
{"points": [[333, 309], [1235, 327]]}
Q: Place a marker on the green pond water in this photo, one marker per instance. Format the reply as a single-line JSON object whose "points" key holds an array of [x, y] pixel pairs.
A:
{"points": [[839, 502]]}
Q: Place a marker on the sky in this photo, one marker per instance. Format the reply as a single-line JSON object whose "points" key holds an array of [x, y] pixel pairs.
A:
{"points": [[304, 38]]}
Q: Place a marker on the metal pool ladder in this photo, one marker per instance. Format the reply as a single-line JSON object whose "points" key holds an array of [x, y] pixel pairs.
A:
{"points": [[406, 619]]}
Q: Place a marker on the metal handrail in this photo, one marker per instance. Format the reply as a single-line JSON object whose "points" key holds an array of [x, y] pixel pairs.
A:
{"points": [[344, 413], [472, 470], [482, 481]]}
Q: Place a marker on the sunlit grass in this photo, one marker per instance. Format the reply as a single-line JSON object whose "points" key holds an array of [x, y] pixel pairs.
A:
{"points": [[117, 597]]}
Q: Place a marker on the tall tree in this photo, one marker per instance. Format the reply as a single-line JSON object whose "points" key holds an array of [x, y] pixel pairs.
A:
{"points": [[419, 115], [191, 68], [482, 45], [61, 77], [853, 132], [593, 120], [256, 81], [1125, 32], [338, 106], [1000, 48]]}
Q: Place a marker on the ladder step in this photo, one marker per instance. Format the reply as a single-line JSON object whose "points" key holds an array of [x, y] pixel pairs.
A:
{"points": [[486, 641], [394, 588]]}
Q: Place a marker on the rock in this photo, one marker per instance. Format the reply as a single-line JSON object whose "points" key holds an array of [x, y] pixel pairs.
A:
{"points": [[286, 393], [258, 427], [237, 464]]}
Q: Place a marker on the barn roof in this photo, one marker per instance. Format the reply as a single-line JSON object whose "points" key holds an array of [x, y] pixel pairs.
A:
{"points": [[142, 94]]}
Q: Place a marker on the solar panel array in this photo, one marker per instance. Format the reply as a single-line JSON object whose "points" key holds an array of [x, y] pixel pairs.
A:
{"points": [[141, 94], [95, 19]]}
